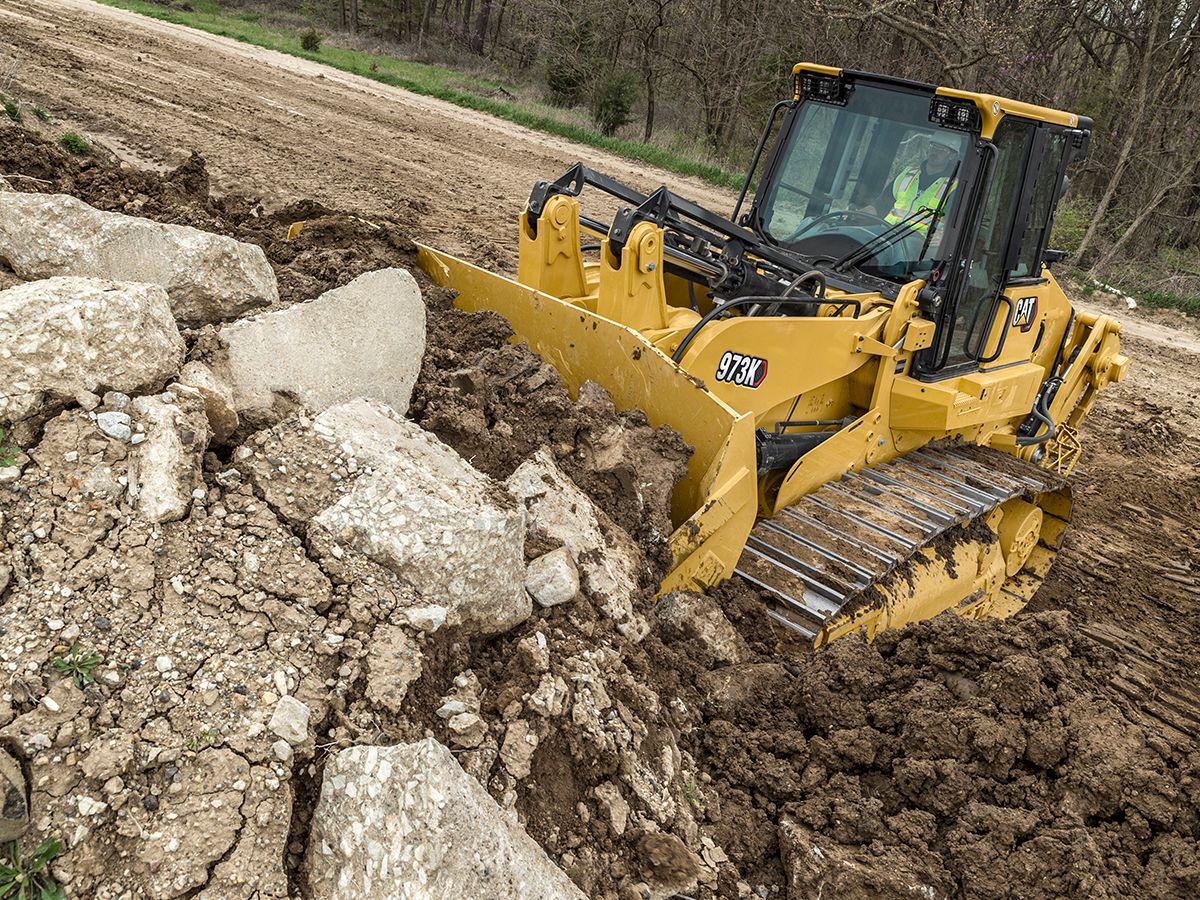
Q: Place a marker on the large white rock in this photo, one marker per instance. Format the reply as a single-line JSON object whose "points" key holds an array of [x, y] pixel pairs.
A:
{"points": [[209, 277], [407, 822], [606, 557], [64, 336], [365, 339], [452, 532]]}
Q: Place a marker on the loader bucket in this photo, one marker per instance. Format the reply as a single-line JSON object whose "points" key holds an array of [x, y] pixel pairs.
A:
{"points": [[713, 507]]}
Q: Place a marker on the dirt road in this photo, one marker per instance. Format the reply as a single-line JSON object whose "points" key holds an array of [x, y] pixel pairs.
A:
{"points": [[285, 128], [282, 127]]}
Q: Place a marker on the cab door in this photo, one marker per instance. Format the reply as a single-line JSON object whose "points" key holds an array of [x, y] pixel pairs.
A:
{"points": [[1002, 310]]}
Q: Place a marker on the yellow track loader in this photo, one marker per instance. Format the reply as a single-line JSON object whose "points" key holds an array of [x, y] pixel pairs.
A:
{"points": [[881, 378]]}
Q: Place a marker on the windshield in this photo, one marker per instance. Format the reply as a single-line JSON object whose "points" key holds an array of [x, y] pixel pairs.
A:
{"points": [[873, 183]]}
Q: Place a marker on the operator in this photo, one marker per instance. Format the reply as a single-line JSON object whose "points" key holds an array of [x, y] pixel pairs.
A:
{"points": [[923, 186]]}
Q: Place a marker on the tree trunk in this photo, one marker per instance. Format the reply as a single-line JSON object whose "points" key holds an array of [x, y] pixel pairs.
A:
{"points": [[426, 15], [649, 130], [354, 16], [1129, 232], [499, 25], [1133, 130], [481, 26]]}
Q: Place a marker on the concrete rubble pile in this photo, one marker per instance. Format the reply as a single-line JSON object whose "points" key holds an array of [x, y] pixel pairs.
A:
{"points": [[214, 553]]}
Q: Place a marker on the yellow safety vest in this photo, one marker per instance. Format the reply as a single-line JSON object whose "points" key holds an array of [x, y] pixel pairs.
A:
{"points": [[910, 198]]}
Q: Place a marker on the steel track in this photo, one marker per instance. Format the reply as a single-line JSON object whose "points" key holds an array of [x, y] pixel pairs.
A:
{"points": [[816, 558]]}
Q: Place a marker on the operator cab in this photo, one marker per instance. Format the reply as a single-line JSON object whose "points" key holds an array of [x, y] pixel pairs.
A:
{"points": [[878, 182], [873, 176]]}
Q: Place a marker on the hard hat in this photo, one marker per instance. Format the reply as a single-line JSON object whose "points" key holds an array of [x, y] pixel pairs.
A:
{"points": [[944, 140]]}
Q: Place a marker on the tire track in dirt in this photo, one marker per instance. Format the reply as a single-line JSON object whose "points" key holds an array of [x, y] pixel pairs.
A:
{"points": [[287, 128]]}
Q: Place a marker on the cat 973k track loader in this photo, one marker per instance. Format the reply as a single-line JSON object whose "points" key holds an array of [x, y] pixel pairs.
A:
{"points": [[882, 380]]}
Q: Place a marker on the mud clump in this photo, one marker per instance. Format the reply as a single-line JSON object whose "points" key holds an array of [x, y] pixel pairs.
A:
{"points": [[991, 758]]}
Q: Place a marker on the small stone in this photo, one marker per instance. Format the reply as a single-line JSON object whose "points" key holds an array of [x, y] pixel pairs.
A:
{"points": [[103, 623], [451, 708], [282, 750], [70, 633], [150, 803], [290, 720], [137, 439], [517, 751], [51, 704], [55, 624], [89, 807], [9, 473], [163, 664], [424, 618], [14, 815], [114, 785], [115, 425], [115, 400]]}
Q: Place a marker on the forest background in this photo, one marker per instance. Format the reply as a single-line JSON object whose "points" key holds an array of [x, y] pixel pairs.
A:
{"points": [[688, 84]]}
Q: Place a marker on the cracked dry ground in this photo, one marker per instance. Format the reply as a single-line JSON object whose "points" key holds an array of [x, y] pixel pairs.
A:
{"points": [[1031, 758]]}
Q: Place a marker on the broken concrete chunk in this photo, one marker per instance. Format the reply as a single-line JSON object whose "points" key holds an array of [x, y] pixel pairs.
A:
{"points": [[552, 578], [290, 720], [208, 277], [520, 743], [365, 339], [694, 617], [407, 821], [63, 336], [393, 663], [558, 510], [449, 530], [467, 730], [218, 399], [166, 466]]}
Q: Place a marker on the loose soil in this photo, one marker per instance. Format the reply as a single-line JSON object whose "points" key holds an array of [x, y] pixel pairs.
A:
{"points": [[1051, 755]]}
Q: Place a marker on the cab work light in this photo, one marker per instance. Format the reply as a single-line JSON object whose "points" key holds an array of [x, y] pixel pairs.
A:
{"points": [[823, 88], [961, 115]]}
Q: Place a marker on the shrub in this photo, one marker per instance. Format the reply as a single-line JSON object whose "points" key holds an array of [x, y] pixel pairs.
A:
{"points": [[566, 80], [311, 41], [74, 144], [612, 100]]}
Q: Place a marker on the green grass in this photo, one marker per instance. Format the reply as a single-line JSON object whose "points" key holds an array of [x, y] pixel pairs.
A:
{"points": [[431, 81], [41, 114], [74, 144], [12, 110], [1167, 300]]}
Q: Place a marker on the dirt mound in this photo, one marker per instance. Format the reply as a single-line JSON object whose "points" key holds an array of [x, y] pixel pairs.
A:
{"points": [[332, 248]]}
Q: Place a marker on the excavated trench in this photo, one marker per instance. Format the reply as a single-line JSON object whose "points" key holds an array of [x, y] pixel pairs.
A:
{"points": [[954, 758]]}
